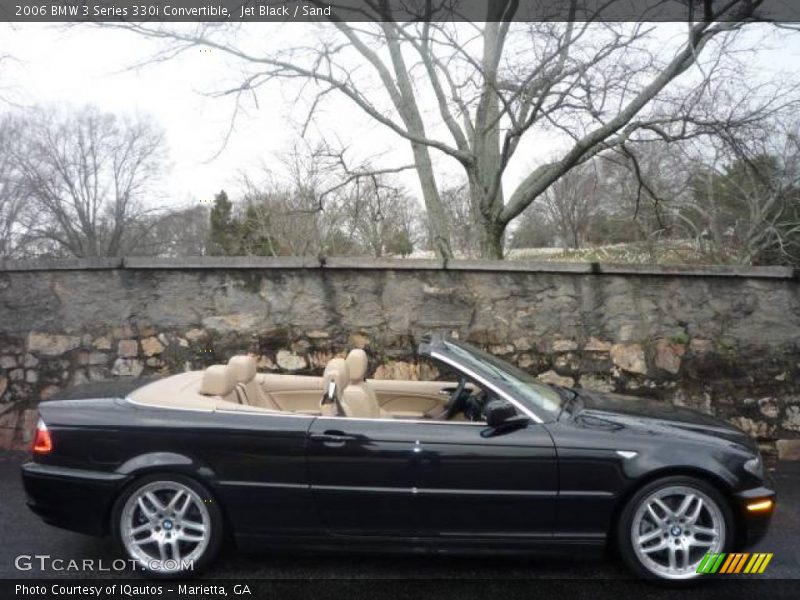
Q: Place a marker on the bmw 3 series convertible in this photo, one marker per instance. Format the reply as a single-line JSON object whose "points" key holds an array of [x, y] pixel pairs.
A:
{"points": [[491, 461]]}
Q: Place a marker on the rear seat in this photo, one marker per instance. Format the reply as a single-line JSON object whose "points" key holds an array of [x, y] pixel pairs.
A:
{"points": [[218, 380], [244, 371], [195, 390]]}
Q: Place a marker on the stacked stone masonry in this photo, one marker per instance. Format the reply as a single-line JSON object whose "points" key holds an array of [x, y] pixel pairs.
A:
{"points": [[724, 341]]}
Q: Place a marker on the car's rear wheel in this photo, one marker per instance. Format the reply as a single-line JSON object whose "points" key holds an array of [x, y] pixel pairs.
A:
{"points": [[168, 524], [669, 525]]}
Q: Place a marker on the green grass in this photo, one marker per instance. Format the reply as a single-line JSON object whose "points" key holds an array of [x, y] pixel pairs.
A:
{"points": [[671, 252]]}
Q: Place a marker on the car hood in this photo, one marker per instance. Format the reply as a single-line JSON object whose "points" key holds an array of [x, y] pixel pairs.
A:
{"points": [[657, 416]]}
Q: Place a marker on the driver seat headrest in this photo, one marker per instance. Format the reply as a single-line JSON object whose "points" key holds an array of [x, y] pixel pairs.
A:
{"points": [[357, 362]]}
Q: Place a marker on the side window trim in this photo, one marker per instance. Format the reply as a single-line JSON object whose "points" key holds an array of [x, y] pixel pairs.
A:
{"points": [[501, 393]]}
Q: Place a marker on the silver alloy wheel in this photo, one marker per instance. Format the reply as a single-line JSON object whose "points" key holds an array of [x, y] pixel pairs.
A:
{"points": [[673, 529], [165, 526]]}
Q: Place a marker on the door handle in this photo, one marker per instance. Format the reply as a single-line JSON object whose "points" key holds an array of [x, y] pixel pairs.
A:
{"points": [[333, 438]]}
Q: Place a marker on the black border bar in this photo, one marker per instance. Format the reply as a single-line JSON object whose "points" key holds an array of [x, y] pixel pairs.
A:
{"points": [[70, 11], [416, 589]]}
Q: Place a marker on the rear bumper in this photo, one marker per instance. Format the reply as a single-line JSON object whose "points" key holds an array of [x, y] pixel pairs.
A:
{"points": [[754, 524], [75, 499]]}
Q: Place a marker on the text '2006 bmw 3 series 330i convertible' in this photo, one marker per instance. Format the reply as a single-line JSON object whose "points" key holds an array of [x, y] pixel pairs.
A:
{"points": [[493, 460]]}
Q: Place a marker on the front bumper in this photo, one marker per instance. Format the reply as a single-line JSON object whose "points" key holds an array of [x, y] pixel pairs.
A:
{"points": [[75, 499], [754, 524]]}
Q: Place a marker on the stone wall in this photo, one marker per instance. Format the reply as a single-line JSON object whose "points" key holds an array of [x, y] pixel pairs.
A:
{"points": [[724, 340]]}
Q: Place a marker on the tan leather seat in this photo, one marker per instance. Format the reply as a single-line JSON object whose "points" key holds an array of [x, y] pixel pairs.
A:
{"points": [[334, 379], [359, 399], [244, 371], [218, 381]]}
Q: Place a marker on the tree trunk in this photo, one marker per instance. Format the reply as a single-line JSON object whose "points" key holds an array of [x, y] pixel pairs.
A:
{"points": [[406, 104], [492, 234], [485, 213], [486, 189], [438, 220], [485, 216]]}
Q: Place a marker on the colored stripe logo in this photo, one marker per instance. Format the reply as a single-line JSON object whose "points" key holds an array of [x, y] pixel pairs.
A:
{"points": [[733, 563]]}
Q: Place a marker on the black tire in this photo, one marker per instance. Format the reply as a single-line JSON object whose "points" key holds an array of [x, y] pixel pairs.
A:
{"points": [[202, 554], [624, 534]]}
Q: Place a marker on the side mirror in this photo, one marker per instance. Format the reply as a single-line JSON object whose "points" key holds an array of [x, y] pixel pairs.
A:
{"points": [[502, 417], [498, 412]]}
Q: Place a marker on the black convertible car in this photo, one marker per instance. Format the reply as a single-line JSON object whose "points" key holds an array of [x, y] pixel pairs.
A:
{"points": [[493, 462]]}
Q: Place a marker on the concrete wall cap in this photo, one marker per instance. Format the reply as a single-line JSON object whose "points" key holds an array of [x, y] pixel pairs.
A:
{"points": [[393, 264]]}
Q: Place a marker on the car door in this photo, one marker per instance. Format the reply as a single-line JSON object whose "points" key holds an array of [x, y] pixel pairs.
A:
{"points": [[361, 473], [477, 482], [475, 486]]}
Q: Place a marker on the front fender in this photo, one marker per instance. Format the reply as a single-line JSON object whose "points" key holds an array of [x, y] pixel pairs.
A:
{"points": [[718, 466]]}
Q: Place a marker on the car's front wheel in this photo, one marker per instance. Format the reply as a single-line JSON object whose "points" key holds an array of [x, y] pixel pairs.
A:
{"points": [[669, 525], [168, 524]]}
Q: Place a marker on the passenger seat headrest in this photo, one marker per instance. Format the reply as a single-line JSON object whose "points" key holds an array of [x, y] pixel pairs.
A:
{"points": [[217, 381], [243, 368], [337, 373], [357, 365]]}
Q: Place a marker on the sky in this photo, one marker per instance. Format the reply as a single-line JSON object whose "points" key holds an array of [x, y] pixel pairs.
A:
{"points": [[61, 66]]}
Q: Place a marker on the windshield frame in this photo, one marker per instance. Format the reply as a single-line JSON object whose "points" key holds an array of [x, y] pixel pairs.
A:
{"points": [[533, 398]]}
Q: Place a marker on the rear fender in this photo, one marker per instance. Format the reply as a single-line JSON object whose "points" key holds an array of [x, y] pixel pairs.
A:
{"points": [[167, 461]]}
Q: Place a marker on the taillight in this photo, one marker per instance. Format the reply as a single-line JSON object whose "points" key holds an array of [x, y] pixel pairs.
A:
{"points": [[42, 442]]}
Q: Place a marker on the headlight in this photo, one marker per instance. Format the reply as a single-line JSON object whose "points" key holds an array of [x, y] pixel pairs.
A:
{"points": [[755, 466]]}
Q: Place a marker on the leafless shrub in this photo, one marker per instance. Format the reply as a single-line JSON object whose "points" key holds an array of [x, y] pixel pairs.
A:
{"points": [[87, 180]]}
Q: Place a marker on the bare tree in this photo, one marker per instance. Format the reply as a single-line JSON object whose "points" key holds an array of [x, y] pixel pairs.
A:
{"points": [[492, 85], [640, 190], [11, 199], [90, 176], [382, 216], [276, 220], [572, 202], [326, 206], [292, 212], [464, 231], [745, 200], [179, 232], [533, 230], [620, 196]]}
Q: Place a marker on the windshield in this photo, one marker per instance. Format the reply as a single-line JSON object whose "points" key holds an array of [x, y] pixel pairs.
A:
{"points": [[523, 386]]}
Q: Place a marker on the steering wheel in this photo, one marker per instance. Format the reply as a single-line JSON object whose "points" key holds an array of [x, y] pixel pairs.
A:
{"points": [[474, 405], [457, 400]]}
